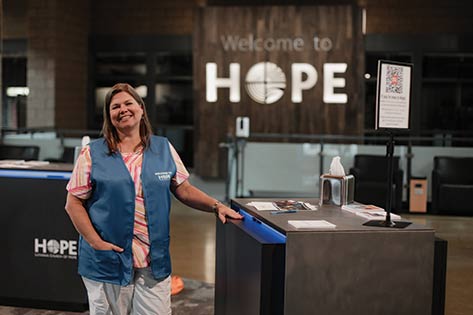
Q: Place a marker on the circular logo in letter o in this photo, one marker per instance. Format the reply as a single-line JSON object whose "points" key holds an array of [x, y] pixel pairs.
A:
{"points": [[53, 246], [265, 82]]}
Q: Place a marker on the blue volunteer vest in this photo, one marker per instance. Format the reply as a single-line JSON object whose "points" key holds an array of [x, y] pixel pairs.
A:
{"points": [[111, 209]]}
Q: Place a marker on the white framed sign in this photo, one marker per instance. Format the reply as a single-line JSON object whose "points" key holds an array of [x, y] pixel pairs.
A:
{"points": [[393, 95]]}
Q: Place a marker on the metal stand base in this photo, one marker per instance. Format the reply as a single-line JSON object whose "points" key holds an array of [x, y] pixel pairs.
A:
{"points": [[388, 224]]}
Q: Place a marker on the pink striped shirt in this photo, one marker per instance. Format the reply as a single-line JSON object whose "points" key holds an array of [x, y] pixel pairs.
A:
{"points": [[80, 186]]}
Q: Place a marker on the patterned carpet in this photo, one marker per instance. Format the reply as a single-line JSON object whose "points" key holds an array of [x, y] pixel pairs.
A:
{"points": [[197, 298]]}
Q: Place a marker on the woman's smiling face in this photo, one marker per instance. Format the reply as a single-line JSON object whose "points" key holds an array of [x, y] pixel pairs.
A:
{"points": [[125, 112]]}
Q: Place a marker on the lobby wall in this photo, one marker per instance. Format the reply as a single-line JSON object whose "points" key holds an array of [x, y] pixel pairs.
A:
{"points": [[58, 32], [57, 63], [143, 17], [283, 82], [138, 17]]}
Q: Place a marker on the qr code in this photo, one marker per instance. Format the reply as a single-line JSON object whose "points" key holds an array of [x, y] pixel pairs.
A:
{"points": [[394, 79]]}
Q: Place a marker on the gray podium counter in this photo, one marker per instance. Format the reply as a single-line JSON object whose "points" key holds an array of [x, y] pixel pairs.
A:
{"points": [[265, 266], [39, 243]]}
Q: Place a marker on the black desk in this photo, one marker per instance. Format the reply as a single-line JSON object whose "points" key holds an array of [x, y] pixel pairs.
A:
{"points": [[265, 266], [38, 241]]}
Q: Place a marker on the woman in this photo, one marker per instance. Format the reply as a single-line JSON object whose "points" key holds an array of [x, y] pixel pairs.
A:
{"points": [[119, 201]]}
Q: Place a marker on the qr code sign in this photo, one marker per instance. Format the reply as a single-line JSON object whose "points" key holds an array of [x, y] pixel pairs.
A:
{"points": [[394, 79]]}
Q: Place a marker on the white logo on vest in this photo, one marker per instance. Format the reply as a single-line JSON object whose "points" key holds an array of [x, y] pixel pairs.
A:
{"points": [[163, 175]]}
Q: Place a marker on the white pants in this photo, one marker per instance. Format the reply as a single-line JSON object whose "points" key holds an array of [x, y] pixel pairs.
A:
{"points": [[143, 296]]}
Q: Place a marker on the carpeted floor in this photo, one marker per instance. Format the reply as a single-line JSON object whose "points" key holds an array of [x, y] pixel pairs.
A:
{"points": [[197, 298]]}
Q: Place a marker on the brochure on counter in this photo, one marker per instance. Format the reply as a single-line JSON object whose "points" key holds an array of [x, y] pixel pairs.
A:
{"points": [[21, 163], [283, 205], [370, 212], [311, 224]]}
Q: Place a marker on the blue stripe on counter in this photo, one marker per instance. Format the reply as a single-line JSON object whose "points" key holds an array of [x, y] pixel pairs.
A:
{"points": [[261, 230], [35, 174]]}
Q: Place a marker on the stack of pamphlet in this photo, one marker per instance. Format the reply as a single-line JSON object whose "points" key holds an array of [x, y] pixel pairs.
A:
{"points": [[370, 212], [294, 205], [311, 224], [282, 205]]}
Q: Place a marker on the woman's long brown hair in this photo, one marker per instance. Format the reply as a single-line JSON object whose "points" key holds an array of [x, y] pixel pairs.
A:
{"points": [[108, 129]]}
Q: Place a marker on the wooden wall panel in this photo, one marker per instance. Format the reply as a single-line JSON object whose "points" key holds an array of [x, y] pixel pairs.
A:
{"points": [[214, 120]]}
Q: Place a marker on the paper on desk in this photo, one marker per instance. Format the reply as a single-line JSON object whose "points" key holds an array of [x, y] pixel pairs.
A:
{"points": [[21, 163], [12, 161], [262, 206], [377, 215], [368, 211], [14, 165], [311, 224]]}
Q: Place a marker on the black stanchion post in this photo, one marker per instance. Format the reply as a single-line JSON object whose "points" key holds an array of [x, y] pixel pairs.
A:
{"points": [[389, 179], [387, 222]]}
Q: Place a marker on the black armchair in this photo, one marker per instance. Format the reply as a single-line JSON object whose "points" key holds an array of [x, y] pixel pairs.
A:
{"points": [[452, 185], [370, 172], [14, 152]]}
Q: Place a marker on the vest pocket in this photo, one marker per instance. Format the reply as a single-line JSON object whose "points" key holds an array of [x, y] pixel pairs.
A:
{"points": [[101, 265], [106, 256]]}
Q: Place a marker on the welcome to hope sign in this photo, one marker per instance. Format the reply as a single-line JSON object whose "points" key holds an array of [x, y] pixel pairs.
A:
{"points": [[290, 69]]}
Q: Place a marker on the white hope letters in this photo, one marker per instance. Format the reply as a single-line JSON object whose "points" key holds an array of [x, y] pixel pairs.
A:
{"points": [[304, 76]]}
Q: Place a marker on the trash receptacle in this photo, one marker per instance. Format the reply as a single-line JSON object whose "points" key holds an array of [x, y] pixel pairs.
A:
{"points": [[418, 194]]}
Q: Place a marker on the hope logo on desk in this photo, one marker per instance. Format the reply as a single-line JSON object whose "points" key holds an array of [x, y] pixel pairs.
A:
{"points": [[52, 248]]}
